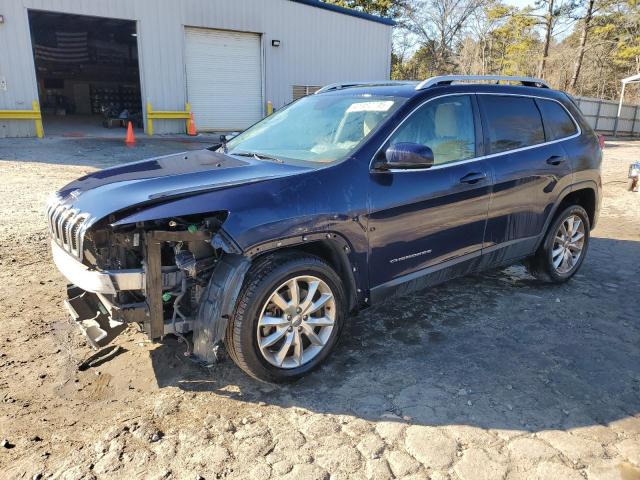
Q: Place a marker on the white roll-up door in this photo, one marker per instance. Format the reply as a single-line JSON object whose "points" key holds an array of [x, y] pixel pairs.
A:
{"points": [[224, 78]]}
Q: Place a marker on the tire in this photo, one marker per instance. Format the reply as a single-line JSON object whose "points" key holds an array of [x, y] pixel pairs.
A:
{"points": [[542, 265], [256, 307]]}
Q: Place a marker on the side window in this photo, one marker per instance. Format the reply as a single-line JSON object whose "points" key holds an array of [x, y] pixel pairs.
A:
{"points": [[513, 122], [445, 125], [557, 122]]}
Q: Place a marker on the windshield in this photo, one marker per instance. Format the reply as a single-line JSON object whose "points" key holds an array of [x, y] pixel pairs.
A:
{"points": [[322, 128]]}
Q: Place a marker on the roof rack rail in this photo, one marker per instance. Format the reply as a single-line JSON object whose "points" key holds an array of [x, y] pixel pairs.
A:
{"points": [[380, 83], [449, 79]]}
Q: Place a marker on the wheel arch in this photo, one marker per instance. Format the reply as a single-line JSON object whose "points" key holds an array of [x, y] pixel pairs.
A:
{"points": [[586, 198], [330, 247], [584, 194]]}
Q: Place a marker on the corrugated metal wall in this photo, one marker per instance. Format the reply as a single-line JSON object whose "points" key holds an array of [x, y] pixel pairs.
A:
{"points": [[317, 47], [602, 115]]}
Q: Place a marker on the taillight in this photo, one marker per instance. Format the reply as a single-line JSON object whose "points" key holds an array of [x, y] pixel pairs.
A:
{"points": [[601, 141]]}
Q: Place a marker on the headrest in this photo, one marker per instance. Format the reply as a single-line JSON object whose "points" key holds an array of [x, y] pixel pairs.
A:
{"points": [[369, 123], [446, 121]]}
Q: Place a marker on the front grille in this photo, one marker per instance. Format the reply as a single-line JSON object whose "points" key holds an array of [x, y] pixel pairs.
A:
{"points": [[67, 226]]}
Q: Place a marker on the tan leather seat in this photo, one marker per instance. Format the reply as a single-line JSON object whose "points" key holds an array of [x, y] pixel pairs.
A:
{"points": [[448, 146], [369, 122]]}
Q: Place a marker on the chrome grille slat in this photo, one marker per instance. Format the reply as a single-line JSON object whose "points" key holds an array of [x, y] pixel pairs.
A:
{"points": [[50, 207], [53, 220], [70, 219], [57, 216], [59, 222], [81, 231], [76, 233], [67, 226]]}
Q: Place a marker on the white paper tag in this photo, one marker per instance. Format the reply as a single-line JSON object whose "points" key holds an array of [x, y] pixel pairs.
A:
{"points": [[380, 106]]}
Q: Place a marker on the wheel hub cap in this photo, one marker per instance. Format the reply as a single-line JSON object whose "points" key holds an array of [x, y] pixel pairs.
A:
{"points": [[296, 322]]}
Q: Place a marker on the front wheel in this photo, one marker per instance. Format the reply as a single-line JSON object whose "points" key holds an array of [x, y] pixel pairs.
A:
{"points": [[288, 318], [564, 247]]}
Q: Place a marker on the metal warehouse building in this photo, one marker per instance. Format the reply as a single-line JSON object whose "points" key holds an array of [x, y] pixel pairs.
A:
{"points": [[88, 62]]}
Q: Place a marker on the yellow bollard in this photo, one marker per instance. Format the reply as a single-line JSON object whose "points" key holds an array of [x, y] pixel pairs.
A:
{"points": [[149, 121], [269, 108], [38, 120], [187, 108], [33, 114], [166, 115]]}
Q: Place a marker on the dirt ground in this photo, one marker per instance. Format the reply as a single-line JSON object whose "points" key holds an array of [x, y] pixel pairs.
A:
{"points": [[491, 376]]}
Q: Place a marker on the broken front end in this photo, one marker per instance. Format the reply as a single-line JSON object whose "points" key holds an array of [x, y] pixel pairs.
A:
{"points": [[169, 276]]}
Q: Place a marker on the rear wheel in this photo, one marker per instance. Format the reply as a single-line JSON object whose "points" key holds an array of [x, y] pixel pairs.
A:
{"points": [[288, 318], [564, 247]]}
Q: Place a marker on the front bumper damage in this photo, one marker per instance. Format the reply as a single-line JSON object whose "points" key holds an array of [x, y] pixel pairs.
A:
{"points": [[97, 317], [92, 293], [92, 316], [105, 282]]}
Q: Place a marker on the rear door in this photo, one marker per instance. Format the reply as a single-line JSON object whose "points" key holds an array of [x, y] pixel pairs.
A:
{"points": [[530, 167], [434, 216]]}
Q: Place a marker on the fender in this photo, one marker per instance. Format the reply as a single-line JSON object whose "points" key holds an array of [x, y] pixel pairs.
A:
{"points": [[216, 307], [266, 211], [566, 191], [221, 294]]}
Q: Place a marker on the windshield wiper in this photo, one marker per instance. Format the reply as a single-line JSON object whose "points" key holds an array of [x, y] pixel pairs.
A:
{"points": [[257, 156]]}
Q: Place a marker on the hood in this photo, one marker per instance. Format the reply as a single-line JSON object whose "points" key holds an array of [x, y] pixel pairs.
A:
{"points": [[154, 180]]}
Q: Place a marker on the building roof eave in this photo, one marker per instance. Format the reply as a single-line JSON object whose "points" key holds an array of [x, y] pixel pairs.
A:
{"points": [[347, 11]]}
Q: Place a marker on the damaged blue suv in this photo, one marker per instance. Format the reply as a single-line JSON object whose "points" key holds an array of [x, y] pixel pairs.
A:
{"points": [[267, 242]]}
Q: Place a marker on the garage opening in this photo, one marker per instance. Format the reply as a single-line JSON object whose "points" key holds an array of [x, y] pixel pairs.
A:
{"points": [[224, 78], [87, 73]]}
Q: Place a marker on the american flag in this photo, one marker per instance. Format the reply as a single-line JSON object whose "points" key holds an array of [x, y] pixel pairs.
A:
{"points": [[71, 47]]}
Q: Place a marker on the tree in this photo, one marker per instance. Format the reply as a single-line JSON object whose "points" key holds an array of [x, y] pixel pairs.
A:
{"points": [[585, 25], [628, 45], [385, 8], [553, 11], [586, 48], [438, 25], [479, 39], [501, 39], [513, 42]]}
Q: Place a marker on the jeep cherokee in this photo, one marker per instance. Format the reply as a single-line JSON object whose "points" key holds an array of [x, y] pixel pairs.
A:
{"points": [[267, 242]]}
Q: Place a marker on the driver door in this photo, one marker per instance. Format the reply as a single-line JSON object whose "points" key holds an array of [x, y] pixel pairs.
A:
{"points": [[421, 221]]}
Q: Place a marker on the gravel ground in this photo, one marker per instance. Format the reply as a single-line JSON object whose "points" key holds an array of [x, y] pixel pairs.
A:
{"points": [[493, 376]]}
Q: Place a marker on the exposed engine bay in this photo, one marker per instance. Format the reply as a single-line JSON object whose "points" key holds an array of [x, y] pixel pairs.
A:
{"points": [[177, 258]]}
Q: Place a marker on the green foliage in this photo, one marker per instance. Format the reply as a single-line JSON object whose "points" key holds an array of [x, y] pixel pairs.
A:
{"points": [[500, 39], [512, 42], [385, 8], [420, 66], [616, 36]]}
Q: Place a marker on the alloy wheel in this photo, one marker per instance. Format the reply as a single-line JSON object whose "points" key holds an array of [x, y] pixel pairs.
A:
{"points": [[568, 244], [296, 322]]}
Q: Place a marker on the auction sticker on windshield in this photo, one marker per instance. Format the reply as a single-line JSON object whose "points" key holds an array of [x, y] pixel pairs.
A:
{"points": [[380, 106]]}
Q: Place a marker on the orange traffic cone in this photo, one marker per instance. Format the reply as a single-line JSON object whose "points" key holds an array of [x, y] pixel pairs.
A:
{"points": [[130, 139], [191, 129]]}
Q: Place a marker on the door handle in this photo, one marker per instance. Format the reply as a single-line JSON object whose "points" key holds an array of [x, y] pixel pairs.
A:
{"points": [[474, 177], [555, 160]]}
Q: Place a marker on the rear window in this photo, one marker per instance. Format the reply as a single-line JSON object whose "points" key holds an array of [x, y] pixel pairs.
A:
{"points": [[557, 122], [513, 122]]}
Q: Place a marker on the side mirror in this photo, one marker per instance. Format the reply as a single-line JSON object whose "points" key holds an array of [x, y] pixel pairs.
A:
{"points": [[407, 156], [224, 138]]}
